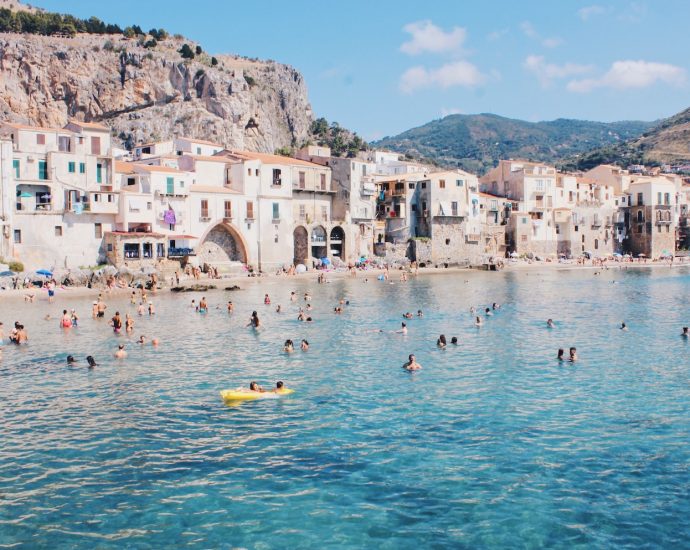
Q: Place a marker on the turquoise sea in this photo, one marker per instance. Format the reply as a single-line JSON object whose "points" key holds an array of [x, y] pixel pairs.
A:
{"points": [[493, 444]]}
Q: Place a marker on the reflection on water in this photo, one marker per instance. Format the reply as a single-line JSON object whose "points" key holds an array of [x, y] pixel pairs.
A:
{"points": [[493, 443]]}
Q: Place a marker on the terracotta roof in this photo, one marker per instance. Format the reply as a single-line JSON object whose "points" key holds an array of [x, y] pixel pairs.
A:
{"points": [[212, 189], [181, 237], [122, 167], [267, 158], [89, 125], [156, 168]]}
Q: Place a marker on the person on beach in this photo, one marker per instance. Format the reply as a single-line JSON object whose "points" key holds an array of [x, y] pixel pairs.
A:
{"points": [[304, 346], [289, 346], [412, 364], [152, 309], [203, 306], [133, 298], [550, 324], [573, 355], [116, 323], [254, 320], [100, 308], [278, 309], [441, 342], [141, 308], [120, 353]]}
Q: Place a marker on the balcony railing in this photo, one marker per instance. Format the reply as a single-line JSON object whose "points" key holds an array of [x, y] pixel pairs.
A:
{"points": [[180, 252]]}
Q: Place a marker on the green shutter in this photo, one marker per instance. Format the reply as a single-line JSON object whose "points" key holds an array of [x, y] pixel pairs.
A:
{"points": [[99, 173], [82, 168], [276, 211], [42, 170], [15, 165], [71, 167], [171, 185]]}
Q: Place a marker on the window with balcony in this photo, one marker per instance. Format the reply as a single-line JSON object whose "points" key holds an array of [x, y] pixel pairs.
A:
{"points": [[40, 139], [250, 210], [640, 199], [204, 209], [302, 179], [276, 211], [277, 177], [95, 145], [42, 170], [227, 210]]}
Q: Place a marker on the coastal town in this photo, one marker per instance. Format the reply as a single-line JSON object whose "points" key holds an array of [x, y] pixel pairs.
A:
{"points": [[72, 198]]}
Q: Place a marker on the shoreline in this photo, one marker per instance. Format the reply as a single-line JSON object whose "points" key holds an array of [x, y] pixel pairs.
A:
{"points": [[520, 266]]}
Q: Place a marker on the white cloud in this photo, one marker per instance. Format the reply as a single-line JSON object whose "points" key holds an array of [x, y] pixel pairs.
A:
{"points": [[547, 72], [590, 11], [427, 37], [456, 73], [530, 32], [450, 111], [632, 74]]}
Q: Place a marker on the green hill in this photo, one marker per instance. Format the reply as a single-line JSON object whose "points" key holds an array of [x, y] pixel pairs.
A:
{"points": [[477, 142]]}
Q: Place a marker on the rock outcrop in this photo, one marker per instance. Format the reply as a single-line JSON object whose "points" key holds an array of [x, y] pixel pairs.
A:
{"points": [[148, 94]]}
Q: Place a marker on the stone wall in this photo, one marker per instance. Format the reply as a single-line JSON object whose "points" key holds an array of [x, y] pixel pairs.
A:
{"points": [[450, 244]]}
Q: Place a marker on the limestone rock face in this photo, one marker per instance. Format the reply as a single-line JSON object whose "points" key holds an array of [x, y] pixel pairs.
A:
{"points": [[152, 94]]}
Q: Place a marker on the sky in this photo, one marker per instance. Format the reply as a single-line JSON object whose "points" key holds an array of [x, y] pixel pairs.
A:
{"points": [[380, 67]]}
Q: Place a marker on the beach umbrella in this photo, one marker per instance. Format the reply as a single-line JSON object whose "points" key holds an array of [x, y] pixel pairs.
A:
{"points": [[642, 255], [617, 255], [7, 273], [44, 272], [325, 261], [25, 195], [301, 268]]}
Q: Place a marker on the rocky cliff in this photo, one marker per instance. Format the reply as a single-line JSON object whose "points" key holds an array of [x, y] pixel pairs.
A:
{"points": [[152, 93]]}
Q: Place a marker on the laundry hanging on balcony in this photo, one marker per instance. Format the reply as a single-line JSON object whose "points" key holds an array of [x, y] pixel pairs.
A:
{"points": [[169, 217]]}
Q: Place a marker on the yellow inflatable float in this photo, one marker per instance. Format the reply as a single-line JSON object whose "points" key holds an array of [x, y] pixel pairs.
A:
{"points": [[241, 394]]}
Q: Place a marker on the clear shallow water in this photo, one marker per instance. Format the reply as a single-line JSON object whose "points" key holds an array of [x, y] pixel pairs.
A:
{"points": [[493, 444]]}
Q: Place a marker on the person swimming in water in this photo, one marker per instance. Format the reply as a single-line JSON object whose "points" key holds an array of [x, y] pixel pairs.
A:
{"points": [[278, 309], [488, 312], [419, 313], [550, 324], [253, 386], [279, 386], [267, 300], [441, 342], [402, 330], [454, 340], [573, 355], [561, 352], [91, 361], [71, 360], [623, 326], [254, 320], [412, 364], [304, 346], [496, 306], [120, 353], [478, 322], [142, 339], [231, 307], [203, 306], [407, 315], [288, 346], [686, 332]]}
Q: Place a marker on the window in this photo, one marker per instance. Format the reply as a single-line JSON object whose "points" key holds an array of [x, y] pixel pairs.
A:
{"points": [[149, 206], [170, 185], [256, 172], [96, 197], [42, 170], [71, 167], [658, 198], [147, 250], [459, 183], [110, 247], [302, 178], [63, 144], [324, 213], [454, 208], [249, 171], [250, 210], [111, 197], [323, 182], [18, 236], [40, 139], [131, 181], [204, 208], [583, 239], [82, 168], [58, 231], [277, 179], [539, 185], [98, 230], [441, 184], [667, 199], [15, 165], [447, 242], [639, 216], [558, 229], [640, 199], [302, 212], [99, 173], [95, 146], [423, 185], [198, 150], [410, 185], [524, 221], [160, 250], [596, 244], [227, 214], [276, 211]]}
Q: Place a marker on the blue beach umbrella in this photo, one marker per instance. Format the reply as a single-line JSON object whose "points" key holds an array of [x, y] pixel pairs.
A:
{"points": [[44, 272], [7, 273]]}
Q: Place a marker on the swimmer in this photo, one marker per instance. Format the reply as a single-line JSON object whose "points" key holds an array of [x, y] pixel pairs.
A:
{"points": [[231, 307], [267, 300], [309, 320], [155, 342], [454, 340], [152, 310], [307, 296], [560, 354], [94, 310], [141, 309], [91, 361], [478, 322], [496, 306], [254, 320], [301, 316], [686, 332], [120, 353], [288, 346], [573, 355], [473, 310], [71, 360], [203, 306], [441, 342], [129, 323], [193, 305], [623, 326], [253, 386], [402, 330], [309, 308], [487, 311], [142, 339], [279, 386], [279, 309], [412, 363], [293, 297], [407, 315], [419, 313], [304, 346], [549, 324]]}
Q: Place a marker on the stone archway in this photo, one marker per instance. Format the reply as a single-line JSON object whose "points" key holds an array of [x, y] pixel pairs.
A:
{"points": [[301, 243], [319, 242], [337, 242], [223, 244]]}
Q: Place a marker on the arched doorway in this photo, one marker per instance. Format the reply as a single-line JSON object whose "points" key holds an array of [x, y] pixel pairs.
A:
{"points": [[222, 245], [301, 243], [318, 242], [337, 242]]}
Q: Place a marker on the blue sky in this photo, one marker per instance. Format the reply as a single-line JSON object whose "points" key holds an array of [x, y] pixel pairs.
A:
{"points": [[381, 67]]}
